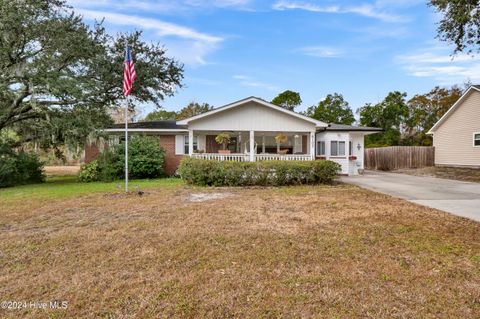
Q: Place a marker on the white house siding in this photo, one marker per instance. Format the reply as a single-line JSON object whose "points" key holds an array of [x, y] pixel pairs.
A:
{"points": [[252, 116], [358, 140], [453, 139], [348, 167]]}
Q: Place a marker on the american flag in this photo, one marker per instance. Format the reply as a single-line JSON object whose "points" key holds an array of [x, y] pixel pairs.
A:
{"points": [[128, 72]]}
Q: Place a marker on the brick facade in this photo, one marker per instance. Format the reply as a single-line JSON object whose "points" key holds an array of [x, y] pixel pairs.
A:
{"points": [[171, 160], [167, 142], [91, 151]]}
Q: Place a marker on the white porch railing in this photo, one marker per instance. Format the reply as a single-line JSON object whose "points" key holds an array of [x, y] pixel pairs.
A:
{"points": [[282, 157], [258, 157], [222, 157]]}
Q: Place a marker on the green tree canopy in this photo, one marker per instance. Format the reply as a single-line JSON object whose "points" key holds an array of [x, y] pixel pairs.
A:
{"points": [[424, 110], [288, 100], [161, 114], [333, 109], [192, 109], [460, 24], [59, 76], [390, 115]]}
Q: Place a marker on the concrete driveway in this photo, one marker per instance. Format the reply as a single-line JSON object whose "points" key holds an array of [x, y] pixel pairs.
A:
{"points": [[456, 197]]}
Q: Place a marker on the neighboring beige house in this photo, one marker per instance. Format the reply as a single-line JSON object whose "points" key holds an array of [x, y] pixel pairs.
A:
{"points": [[456, 136], [252, 124]]}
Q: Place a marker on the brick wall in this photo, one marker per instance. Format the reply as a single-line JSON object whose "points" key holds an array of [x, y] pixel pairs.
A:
{"points": [[167, 142], [91, 152], [171, 160]]}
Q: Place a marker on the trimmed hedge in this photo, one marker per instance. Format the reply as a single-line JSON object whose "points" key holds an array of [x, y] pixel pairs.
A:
{"points": [[264, 173]]}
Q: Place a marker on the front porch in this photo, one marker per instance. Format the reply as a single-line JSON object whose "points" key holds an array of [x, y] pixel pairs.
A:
{"points": [[251, 146]]}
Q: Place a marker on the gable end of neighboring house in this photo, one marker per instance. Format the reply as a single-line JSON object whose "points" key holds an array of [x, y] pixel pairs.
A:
{"points": [[456, 136]]}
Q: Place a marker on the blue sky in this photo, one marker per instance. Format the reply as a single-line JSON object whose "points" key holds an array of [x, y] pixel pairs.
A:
{"points": [[237, 48]]}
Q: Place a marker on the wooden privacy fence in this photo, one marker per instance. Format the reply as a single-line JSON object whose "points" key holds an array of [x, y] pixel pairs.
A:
{"points": [[395, 157]]}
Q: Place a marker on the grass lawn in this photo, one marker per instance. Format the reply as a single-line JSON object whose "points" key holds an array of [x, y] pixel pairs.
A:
{"points": [[179, 251], [57, 187]]}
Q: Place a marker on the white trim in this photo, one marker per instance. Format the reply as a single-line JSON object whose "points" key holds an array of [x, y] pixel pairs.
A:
{"points": [[190, 142], [452, 109], [475, 133], [252, 146], [248, 100], [145, 130], [312, 145], [179, 144]]}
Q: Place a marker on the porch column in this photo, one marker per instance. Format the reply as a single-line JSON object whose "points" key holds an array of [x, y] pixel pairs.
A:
{"points": [[190, 142], [252, 146], [263, 143], [312, 145]]}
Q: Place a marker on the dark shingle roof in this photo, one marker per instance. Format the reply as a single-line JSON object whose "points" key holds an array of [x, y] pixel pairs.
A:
{"points": [[476, 86], [165, 124], [343, 127]]}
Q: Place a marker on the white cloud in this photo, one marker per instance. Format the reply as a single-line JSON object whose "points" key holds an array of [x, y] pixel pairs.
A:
{"points": [[219, 3], [162, 28], [186, 44], [366, 10], [436, 62], [158, 6], [248, 81], [321, 51]]}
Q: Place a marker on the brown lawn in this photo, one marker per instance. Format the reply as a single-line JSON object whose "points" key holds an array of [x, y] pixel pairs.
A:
{"points": [[332, 252], [457, 173], [61, 170]]}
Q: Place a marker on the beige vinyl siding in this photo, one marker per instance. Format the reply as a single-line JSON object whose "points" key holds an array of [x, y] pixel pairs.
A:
{"points": [[453, 139]]}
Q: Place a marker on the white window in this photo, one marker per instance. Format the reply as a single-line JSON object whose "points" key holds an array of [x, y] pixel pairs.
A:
{"points": [[195, 144], [320, 148], [476, 139], [350, 148], [337, 148]]}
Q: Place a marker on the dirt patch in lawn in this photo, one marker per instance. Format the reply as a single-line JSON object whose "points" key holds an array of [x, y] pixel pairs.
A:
{"points": [[319, 251], [456, 173], [202, 197]]}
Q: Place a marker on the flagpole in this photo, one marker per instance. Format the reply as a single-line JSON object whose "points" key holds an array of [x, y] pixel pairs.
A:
{"points": [[126, 144]]}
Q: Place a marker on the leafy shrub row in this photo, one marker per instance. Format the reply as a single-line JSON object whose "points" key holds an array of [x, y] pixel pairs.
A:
{"points": [[145, 160], [267, 173], [18, 168]]}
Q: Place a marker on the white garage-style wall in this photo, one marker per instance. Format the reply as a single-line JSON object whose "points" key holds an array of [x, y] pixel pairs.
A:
{"points": [[348, 165]]}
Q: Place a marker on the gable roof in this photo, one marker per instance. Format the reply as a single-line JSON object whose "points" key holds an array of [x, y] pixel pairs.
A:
{"points": [[470, 90], [255, 100]]}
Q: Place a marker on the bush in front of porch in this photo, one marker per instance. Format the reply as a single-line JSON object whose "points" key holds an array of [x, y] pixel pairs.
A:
{"points": [[264, 173]]}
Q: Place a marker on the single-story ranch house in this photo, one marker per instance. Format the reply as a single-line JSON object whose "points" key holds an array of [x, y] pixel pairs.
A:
{"points": [[456, 136], [258, 131]]}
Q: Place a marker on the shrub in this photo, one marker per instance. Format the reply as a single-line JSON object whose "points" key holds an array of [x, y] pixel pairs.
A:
{"points": [[18, 168], [145, 159], [266, 173], [89, 172]]}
